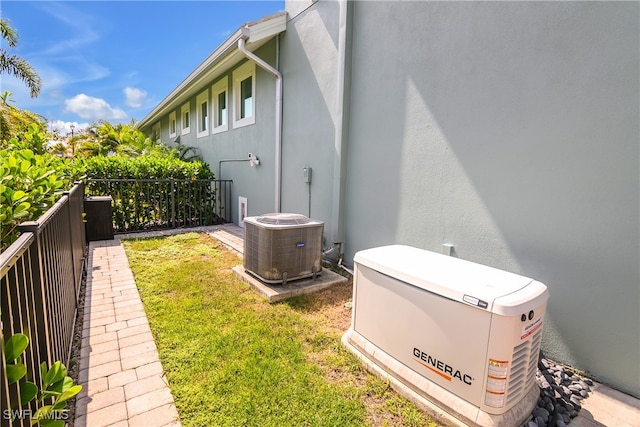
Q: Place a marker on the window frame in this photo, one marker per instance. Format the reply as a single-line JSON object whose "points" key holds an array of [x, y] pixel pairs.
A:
{"points": [[173, 122], [186, 108], [240, 74], [221, 86], [202, 98]]}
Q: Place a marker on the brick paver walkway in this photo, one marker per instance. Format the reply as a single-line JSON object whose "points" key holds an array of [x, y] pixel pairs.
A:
{"points": [[122, 377], [119, 365]]}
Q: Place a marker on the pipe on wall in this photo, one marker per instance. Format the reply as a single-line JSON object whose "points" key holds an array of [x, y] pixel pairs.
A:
{"points": [[227, 161], [342, 125], [278, 121]]}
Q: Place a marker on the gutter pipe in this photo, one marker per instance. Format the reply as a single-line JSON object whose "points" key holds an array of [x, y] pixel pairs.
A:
{"points": [[341, 136], [278, 142]]}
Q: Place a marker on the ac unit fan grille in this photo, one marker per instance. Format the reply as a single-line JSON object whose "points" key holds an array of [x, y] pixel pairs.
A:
{"points": [[283, 219]]}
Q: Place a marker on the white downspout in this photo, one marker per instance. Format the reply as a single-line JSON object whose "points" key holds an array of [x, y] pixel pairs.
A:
{"points": [[278, 143], [341, 130]]}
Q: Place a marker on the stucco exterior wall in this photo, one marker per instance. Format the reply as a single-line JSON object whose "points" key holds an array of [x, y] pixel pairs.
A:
{"points": [[511, 131], [309, 65]]}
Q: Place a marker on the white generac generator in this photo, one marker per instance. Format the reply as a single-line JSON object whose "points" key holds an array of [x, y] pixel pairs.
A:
{"points": [[464, 336]]}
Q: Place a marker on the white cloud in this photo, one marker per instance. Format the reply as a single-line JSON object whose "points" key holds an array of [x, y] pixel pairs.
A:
{"points": [[134, 97], [90, 108], [64, 128]]}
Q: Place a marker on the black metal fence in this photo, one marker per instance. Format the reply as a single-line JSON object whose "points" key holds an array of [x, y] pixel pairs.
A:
{"points": [[41, 272], [40, 277], [155, 204]]}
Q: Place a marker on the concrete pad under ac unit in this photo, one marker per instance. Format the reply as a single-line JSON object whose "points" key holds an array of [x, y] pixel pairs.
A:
{"points": [[277, 292]]}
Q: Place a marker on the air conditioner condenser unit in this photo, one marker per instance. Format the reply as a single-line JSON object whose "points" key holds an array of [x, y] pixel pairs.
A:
{"points": [[463, 336], [282, 246]]}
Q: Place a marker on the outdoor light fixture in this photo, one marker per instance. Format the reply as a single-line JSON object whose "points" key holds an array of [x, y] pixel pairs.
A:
{"points": [[253, 160]]}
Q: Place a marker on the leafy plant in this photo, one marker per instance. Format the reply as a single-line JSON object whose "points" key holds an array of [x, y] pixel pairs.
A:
{"points": [[60, 388], [31, 180], [57, 387], [15, 369], [161, 165], [14, 120], [105, 139]]}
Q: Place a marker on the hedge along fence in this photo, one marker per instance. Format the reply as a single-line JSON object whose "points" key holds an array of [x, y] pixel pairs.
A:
{"points": [[154, 204], [156, 191]]}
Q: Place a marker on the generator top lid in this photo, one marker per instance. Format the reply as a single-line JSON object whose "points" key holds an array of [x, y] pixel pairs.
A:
{"points": [[475, 284], [277, 220]]}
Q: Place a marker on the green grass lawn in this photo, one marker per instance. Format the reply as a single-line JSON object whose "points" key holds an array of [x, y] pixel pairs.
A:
{"points": [[233, 359]]}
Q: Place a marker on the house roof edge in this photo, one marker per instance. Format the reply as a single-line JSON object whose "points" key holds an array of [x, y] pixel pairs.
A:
{"points": [[256, 32]]}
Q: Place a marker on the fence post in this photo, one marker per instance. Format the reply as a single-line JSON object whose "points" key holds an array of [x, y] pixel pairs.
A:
{"points": [[229, 213], [70, 229], [173, 205], [39, 292]]}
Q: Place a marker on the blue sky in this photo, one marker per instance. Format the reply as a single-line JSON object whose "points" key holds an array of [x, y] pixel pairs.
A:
{"points": [[115, 60]]}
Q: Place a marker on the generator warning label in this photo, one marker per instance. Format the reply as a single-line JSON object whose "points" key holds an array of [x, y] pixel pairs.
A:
{"points": [[496, 383], [531, 328]]}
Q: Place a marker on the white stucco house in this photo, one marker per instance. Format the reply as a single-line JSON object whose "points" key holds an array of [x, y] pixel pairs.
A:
{"points": [[509, 130]]}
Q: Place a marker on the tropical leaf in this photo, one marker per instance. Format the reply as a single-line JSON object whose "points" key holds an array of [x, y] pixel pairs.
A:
{"points": [[28, 392], [15, 372], [15, 346]]}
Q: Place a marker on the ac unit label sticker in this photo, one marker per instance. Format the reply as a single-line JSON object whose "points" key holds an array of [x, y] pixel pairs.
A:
{"points": [[439, 367]]}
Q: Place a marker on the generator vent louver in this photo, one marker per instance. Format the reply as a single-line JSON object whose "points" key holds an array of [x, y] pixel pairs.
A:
{"points": [[282, 246], [524, 366]]}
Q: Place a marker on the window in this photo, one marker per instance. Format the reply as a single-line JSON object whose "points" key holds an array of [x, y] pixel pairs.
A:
{"points": [[246, 98], [202, 102], [173, 129], [244, 89], [219, 100], [186, 119]]}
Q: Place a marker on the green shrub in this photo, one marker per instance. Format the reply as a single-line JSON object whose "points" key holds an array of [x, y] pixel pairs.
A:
{"points": [[160, 166], [151, 204], [31, 181]]}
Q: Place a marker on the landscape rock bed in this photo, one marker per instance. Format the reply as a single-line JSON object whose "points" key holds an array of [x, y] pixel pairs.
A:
{"points": [[73, 369], [561, 395]]}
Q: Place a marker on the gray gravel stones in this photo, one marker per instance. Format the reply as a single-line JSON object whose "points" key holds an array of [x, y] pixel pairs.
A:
{"points": [[561, 395]]}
